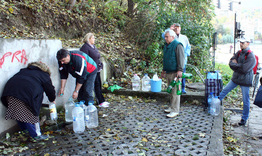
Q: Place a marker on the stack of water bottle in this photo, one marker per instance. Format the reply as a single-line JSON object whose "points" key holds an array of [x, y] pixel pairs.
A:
{"points": [[213, 105], [145, 83], [81, 115]]}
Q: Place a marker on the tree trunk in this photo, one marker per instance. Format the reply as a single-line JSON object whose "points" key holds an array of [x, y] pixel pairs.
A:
{"points": [[130, 8], [71, 4]]}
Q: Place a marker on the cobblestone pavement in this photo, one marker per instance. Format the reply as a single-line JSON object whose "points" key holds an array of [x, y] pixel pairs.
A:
{"points": [[137, 129], [249, 134]]}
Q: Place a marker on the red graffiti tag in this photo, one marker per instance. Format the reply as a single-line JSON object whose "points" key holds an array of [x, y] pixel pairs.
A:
{"points": [[19, 55]]}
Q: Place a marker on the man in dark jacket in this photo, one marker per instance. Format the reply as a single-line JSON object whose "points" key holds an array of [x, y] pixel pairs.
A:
{"points": [[242, 63], [80, 66], [173, 64]]}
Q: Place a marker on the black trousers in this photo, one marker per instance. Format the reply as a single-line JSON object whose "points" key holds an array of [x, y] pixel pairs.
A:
{"points": [[98, 89]]}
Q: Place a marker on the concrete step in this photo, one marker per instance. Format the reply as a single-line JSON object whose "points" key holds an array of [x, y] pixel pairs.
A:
{"points": [[160, 96]]}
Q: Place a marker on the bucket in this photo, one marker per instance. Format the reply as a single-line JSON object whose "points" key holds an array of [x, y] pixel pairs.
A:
{"points": [[156, 85]]}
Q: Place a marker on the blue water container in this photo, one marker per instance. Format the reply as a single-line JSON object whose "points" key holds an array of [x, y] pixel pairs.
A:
{"points": [[156, 85]]}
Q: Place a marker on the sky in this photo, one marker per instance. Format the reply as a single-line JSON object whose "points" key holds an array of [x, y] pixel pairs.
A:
{"points": [[251, 4]]}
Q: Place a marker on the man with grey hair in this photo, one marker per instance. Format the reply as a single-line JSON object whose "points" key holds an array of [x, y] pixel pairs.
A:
{"points": [[173, 64], [187, 47]]}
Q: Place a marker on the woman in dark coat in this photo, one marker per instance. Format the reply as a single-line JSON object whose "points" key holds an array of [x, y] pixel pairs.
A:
{"points": [[90, 49], [23, 96]]}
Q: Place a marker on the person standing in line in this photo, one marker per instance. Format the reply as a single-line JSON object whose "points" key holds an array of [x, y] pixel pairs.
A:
{"points": [[230, 48], [90, 49], [187, 48], [242, 64], [80, 66], [172, 27], [23, 97], [173, 63]]}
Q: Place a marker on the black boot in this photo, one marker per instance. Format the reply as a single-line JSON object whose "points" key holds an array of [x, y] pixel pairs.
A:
{"points": [[242, 122]]}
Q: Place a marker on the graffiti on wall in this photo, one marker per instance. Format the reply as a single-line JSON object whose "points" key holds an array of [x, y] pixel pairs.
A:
{"points": [[19, 56]]}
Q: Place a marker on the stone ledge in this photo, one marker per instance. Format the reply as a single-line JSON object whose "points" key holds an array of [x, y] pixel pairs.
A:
{"points": [[160, 96]]}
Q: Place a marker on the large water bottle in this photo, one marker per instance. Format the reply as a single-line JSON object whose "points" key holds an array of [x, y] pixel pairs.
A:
{"points": [[69, 106], [91, 117], [136, 83], [215, 106], [53, 112], [82, 105], [209, 100], [146, 83], [78, 119]]}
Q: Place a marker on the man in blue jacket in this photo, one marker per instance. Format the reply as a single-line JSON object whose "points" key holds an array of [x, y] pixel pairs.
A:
{"points": [[173, 64], [242, 63], [187, 48], [80, 66]]}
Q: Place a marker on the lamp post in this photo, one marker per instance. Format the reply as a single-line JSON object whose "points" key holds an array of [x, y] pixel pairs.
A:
{"points": [[235, 33], [237, 30]]}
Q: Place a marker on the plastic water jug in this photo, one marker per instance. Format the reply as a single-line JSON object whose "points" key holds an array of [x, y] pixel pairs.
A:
{"points": [[215, 106], [136, 83], [82, 105], [69, 106], [146, 83], [91, 116], [209, 100], [53, 112], [78, 119]]}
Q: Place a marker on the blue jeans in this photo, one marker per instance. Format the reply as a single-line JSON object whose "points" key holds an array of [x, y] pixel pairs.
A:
{"points": [[245, 97], [184, 80], [86, 91], [31, 128]]}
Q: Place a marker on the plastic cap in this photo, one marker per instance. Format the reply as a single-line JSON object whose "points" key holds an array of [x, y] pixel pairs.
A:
{"points": [[91, 102], [82, 102], [77, 105]]}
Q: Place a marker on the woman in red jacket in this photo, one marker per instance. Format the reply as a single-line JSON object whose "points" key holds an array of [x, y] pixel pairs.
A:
{"points": [[90, 49]]}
